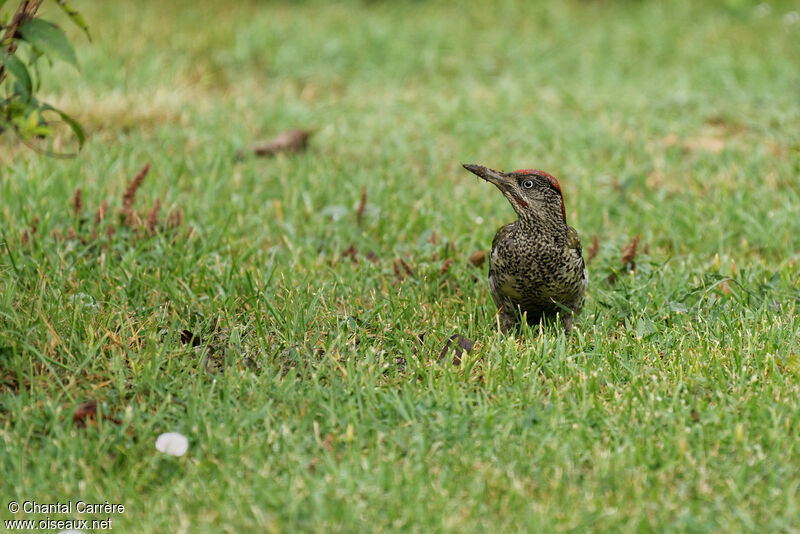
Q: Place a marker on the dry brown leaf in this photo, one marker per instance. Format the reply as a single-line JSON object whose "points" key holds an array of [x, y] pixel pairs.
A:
{"points": [[462, 345], [187, 337], [288, 141], [477, 258], [86, 414]]}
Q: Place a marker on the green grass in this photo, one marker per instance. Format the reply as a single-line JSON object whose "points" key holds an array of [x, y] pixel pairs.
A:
{"points": [[310, 403]]}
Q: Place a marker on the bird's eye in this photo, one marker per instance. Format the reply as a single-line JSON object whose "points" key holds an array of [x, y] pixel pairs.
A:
{"points": [[527, 184]]}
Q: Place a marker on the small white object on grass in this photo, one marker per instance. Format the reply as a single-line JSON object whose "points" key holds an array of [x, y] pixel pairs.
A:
{"points": [[172, 443]]}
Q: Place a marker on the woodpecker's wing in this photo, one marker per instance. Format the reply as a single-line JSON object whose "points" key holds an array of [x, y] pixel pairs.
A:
{"points": [[574, 246], [502, 233], [573, 241]]}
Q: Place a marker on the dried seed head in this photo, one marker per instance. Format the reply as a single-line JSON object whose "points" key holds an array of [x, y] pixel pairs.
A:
{"points": [[446, 266], [175, 218], [152, 218], [129, 196], [361, 206], [77, 203], [629, 252]]}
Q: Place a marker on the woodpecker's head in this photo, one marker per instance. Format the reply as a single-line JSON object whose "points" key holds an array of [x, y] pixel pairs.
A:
{"points": [[530, 192]]}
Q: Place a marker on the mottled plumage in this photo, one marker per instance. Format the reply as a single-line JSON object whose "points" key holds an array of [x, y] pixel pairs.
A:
{"points": [[536, 265]]}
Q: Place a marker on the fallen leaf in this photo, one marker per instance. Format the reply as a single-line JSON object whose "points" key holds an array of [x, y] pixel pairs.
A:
{"points": [[86, 413], [371, 256], [288, 141], [462, 345], [188, 337], [477, 258]]}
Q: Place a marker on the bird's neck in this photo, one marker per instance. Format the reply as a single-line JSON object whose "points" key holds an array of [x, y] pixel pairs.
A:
{"points": [[551, 229]]}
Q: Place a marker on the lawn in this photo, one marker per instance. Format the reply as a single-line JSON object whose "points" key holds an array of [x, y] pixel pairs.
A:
{"points": [[287, 313]]}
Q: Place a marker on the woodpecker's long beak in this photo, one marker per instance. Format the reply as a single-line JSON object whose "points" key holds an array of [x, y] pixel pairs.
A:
{"points": [[490, 175]]}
